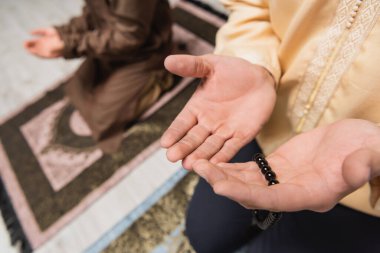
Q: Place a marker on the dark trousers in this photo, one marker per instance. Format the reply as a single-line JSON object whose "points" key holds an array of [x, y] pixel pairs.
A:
{"points": [[216, 224]]}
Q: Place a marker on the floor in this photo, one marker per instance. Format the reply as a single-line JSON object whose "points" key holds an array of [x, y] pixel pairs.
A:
{"points": [[23, 76]]}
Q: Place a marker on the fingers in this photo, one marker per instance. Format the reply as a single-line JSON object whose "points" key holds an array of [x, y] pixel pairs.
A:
{"points": [[209, 171], [31, 46], [216, 147], [229, 149], [235, 190], [194, 137], [205, 151], [250, 166], [43, 31], [30, 43], [244, 184], [178, 128], [39, 32], [188, 66], [224, 183], [244, 172], [280, 197], [211, 146]]}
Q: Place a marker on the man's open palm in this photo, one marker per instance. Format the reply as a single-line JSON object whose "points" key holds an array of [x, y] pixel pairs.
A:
{"points": [[315, 169], [226, 111]]}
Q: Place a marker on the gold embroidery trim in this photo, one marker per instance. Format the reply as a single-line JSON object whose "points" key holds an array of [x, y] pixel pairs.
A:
{"points": [[337, 49]]}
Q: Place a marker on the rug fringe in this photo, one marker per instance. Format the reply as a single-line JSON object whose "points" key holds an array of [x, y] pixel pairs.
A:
{"points": [[15, 231]]}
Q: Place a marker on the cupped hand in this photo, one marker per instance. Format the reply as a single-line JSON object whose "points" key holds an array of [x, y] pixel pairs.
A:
{"points": [[226, 111], [47, 45], [315, 169]]}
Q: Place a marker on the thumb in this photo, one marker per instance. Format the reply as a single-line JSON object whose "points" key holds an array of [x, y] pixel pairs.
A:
{"points": [[29, 43], [356, 168], [188, 65]]}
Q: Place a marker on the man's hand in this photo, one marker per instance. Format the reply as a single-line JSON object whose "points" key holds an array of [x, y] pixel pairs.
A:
{"points": [[226, 111], [47, 45], [315, 169]]}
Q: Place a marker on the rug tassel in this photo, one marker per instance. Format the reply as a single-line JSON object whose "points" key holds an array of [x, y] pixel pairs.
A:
{"points": [[15, 231]]}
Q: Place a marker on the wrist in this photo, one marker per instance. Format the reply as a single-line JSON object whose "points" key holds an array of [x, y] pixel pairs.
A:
{"points": [[266, 84], [58, 46], [375, 164], [266, 76], [373, 146]]}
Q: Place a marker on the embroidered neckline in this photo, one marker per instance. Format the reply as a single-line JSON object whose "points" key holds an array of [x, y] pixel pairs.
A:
{"points": [[337, 49]]}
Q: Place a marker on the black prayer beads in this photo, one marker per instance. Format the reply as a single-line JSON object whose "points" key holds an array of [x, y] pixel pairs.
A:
{"points": [[262, 218]]}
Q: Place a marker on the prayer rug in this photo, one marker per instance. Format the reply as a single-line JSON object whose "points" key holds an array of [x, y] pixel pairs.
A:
{"points": [[59, 193], [161, 228]]}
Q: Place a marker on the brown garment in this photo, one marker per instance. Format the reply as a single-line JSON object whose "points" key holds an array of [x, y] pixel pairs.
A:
{"points": [[125, 43]]}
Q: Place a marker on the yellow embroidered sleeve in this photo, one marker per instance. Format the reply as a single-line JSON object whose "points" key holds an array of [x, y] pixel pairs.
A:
{"points": [[248, 34]]}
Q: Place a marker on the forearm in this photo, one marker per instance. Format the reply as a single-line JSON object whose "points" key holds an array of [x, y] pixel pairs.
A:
{"points": [[130, 27], [75, 25], [102, 43], [248, 34], [79, 24]]}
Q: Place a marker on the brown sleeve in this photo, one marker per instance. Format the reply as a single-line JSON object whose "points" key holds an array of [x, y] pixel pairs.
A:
{"points": [[126, 30], [78, 24]]}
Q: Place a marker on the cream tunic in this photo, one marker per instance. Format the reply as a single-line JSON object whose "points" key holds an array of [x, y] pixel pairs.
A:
{"points": [[325, 58]]}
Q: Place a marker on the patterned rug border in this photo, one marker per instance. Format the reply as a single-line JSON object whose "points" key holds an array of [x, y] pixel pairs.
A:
{"points": [[186, 8], [13, 225], [36, 236], [182, 15], [118, 229]]}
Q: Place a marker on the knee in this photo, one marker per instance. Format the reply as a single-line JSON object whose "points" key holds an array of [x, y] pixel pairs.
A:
{"points": [[202, 237], [215, 223], [209, 235]]}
